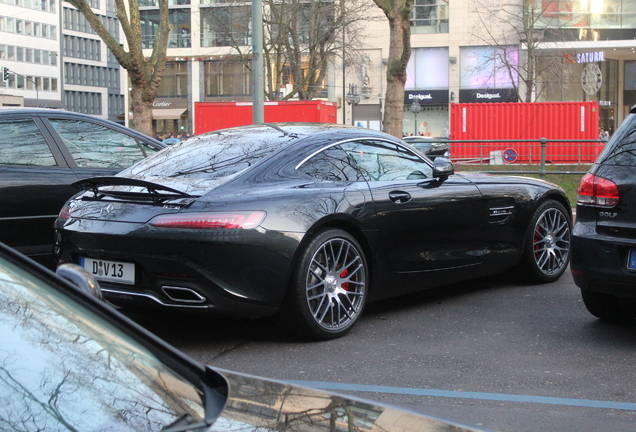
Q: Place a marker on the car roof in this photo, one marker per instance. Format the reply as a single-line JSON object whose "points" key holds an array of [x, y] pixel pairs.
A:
{"points": [[28, 110], [302, 129], [8, 111]]}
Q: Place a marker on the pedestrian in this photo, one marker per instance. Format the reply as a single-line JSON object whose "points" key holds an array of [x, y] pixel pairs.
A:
{"points": [[606, 135]]}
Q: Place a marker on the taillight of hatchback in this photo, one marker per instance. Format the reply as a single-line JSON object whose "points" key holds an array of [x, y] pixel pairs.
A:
{"points": [[597, 191]]}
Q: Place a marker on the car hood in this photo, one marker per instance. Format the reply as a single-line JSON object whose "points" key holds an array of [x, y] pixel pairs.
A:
{"points": [[256, 404]]}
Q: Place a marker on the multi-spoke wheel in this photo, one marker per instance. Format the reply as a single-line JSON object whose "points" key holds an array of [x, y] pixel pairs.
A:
{"points": [[329, 288], [547, 248]]}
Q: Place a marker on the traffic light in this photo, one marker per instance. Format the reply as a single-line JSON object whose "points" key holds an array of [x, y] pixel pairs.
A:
{"points": [[5, 74]]}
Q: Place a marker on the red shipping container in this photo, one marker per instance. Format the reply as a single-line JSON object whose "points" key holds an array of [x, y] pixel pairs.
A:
{"points": [[210, 116], [525, 121]]}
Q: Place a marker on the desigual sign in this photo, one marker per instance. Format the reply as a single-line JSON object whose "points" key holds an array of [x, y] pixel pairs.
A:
{"points": [[426, 97], [488, 96]]}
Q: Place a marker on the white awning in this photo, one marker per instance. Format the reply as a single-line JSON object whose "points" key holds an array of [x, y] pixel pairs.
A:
{"points": [[168, 113]]}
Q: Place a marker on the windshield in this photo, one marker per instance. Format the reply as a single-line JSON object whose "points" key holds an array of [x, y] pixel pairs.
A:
{"points": [[64, 368], [214, 155]]}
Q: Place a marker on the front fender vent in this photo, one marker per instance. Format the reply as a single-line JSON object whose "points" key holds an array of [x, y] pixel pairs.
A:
{"points": [[500, 214]]}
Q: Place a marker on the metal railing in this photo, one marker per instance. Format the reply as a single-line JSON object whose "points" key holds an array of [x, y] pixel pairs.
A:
{"points": [[537, 152]]}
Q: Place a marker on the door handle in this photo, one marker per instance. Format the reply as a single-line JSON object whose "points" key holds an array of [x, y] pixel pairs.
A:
{"points": [[399, 197]]}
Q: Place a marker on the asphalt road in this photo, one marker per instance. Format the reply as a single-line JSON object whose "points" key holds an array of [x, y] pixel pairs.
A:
{"points": [[494, 353]]}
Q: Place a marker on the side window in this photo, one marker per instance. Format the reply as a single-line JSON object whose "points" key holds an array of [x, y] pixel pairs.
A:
{"points": [[384, 161], [331, 164], [96, 146], [23, 144], [621, 150]]}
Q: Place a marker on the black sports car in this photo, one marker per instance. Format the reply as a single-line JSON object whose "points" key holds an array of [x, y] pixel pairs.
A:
{"points": [[311, 221]]}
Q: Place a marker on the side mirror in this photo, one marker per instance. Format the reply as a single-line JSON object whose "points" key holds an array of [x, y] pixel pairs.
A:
{"points": [[442, 167], [82, 279]]}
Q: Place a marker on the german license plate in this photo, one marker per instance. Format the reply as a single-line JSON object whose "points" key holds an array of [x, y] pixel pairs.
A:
{"points": [[111, 271], [631, 262]]}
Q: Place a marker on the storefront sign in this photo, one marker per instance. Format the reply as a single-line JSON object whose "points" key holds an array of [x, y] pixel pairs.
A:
{"points": [[488, 95], [586, 57], [426, 97]]}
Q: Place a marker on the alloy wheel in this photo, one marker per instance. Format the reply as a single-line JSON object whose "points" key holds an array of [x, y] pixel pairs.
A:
{"points": [[551, 241], [336, 284]]}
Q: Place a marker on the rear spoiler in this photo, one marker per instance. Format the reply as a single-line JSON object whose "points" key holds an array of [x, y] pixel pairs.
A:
{"points": [[155, 191]]}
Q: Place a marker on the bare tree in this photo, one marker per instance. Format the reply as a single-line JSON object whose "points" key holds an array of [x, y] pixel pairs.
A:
{"points": [[301, 40], [145, 72], [516, 30], [398, 13]]}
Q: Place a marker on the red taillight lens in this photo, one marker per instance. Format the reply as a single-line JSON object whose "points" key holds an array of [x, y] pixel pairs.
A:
{"points": [[65, 213], [597, 191], [237, 220]]}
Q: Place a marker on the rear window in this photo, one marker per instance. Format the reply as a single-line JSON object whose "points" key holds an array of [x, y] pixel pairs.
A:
{"points": [[214, 155], [621, 149]]}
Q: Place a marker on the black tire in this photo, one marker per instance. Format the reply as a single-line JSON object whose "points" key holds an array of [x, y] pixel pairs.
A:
{"points": [[329, 286], [608, 307], [546, 253]]}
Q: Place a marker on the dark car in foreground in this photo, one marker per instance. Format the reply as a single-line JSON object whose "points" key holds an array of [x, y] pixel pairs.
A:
{"points": [[306, 221], [70, 362], [604, 236], [43, 151], [431, 147]]}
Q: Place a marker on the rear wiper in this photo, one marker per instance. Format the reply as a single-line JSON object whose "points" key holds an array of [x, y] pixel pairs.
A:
{"points": [[155, 191]]}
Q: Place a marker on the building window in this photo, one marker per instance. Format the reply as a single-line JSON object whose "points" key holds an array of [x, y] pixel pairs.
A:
{"points": [[226, 26], [429, 16], [83, 102], [175, 81], [227, 79], [180, 35]]}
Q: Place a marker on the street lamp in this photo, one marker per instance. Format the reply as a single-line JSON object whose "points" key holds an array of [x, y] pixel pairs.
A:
{"points": [[415, 108], [352, 98]]}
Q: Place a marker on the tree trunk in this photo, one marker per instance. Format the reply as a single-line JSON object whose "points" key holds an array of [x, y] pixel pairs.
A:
{"points": [[142, 112], [398, 13]]}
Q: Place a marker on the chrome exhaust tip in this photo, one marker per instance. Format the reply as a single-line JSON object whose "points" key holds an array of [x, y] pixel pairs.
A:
{"points": [[182, 294]]}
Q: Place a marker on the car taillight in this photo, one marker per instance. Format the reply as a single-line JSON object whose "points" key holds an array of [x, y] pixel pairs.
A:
{"points": [[236, 220], [597, 191], [65, 213]]}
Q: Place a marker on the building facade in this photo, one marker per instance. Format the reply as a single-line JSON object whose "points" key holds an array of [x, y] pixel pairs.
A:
{"points": [[93, 81], [30, 48], [579, 50]]}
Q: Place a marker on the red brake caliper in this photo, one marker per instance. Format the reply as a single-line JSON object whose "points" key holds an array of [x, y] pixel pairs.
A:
{"points": [[344, 274], [537, 237]]}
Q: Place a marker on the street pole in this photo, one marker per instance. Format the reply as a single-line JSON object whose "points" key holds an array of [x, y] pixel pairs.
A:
{"points": [[353, 98], [258, 90], [415, 109]]}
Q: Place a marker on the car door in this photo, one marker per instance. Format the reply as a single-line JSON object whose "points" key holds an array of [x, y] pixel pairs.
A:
{"points": [[426, 223], [34, 185]]}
